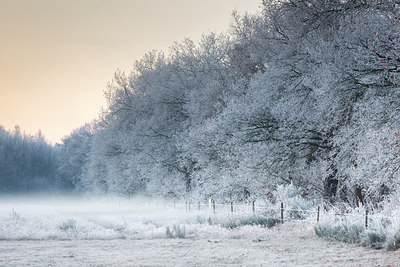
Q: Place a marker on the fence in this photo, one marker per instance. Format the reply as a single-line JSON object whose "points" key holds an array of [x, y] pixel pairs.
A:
{"points": [[282, 213]]}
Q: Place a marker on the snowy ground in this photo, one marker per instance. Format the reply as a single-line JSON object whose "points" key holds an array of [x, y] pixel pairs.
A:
{"points": [[119, 232]]}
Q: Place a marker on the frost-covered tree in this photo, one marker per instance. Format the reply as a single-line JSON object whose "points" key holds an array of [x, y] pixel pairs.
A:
{"points": [[305, 92], [74, 155]]}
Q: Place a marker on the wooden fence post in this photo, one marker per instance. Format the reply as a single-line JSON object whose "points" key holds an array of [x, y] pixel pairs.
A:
{"points": [[281, 212], [318, 215], [254, 208], [366, 218], [213, 204], [231, 206]]}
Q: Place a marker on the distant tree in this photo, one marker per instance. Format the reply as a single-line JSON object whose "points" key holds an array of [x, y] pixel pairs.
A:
{"points": [[27, 163]]}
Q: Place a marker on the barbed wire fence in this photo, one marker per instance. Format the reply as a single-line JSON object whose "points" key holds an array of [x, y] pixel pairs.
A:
{"points": [[279, 212]]}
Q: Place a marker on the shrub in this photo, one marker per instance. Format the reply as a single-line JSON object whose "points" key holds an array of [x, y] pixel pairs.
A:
{"points": [[380, 234], [290, 195]]}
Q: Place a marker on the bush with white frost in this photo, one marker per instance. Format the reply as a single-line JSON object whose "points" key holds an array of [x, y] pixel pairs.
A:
{"points": [[383, 230], [295, 206]]}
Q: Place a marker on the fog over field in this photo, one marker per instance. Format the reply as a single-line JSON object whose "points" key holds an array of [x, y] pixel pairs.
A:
{"points": [[43, 217], [80, 230]]}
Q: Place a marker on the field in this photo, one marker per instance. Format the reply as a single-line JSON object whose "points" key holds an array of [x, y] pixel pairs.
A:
{"points": [[54, 231]]}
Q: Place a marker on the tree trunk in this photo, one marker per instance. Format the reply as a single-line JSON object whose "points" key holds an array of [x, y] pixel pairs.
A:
{"points": [[331, 183], [383, 190], [188, 182], [246, 193], [358, 195]]}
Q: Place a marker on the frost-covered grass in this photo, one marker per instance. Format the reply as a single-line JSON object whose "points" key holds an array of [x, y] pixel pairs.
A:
{"points": [[68, 218], [125, 232], [250, 220], [350, 233], [238, 220], [383, 230], [177, 231]]}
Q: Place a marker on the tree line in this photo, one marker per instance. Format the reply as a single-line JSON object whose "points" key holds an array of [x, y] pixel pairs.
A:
{"points": [[304, 92], [28, 163]]}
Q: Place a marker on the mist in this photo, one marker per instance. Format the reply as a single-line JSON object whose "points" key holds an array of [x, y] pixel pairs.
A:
{"points": [[82, 217]]}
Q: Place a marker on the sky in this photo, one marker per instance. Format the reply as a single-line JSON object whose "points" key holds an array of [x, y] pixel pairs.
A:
{"points": [[56, 57]]}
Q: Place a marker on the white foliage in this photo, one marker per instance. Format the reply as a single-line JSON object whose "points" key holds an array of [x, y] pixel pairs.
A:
{"points": [[305, 92]]}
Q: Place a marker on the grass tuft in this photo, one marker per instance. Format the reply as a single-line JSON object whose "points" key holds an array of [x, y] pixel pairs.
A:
{"points": [[393, 243], [251, 220], [374, 239], [349, 233], [68, 225], [177, 231], [378, 238]]}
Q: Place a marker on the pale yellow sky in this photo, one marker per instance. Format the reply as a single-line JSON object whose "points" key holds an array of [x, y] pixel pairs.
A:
{"points": [[56, 57]]}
